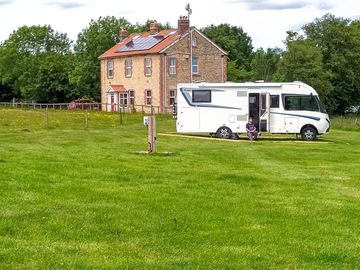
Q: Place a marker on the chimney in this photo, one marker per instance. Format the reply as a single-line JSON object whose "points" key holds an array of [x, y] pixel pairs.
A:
{"points": [[183, 25], [154, 28], [124, 34]]}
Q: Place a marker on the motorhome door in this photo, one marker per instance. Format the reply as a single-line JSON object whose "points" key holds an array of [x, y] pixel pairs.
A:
{"points": [[264, 112]]}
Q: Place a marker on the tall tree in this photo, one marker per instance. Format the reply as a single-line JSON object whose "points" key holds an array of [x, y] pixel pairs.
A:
{"points": [[35, 61], [303, 62], [238, 44], [265, 64], [339, 42], [94, 40]]}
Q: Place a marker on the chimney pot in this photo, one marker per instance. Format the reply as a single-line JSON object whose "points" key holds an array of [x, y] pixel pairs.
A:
{"points": [[154, 28], [183, 25], [124, 34]]}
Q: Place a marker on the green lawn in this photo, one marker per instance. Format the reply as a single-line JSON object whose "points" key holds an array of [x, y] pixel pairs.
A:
{"points": [[76, 198]]}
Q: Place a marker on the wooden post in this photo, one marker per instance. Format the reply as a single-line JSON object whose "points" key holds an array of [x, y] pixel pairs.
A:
{"points": [[120, 115], [86, 120], [151, 134], [46, 117]]}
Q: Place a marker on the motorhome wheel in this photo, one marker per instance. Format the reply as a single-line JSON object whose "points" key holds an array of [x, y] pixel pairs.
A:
{"points": [[308, 133], [224, 133]]}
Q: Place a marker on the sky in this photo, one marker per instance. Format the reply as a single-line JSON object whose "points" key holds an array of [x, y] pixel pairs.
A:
{"points": [[265, 21]]}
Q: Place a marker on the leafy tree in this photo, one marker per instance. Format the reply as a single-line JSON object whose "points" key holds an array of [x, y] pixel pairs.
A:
{"points": [[339, 42], [265, 64], [94, 40], [35, 62], [140, 28], [303, 62], [238, 44]]}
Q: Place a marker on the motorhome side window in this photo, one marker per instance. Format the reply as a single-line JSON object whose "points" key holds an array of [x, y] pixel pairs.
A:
{"points": [[301, 103], [274, 101], [201, 96]]}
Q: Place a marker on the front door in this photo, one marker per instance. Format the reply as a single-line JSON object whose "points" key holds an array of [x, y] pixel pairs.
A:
{"points": [[264, 112], [259, 110], [254, 105]]}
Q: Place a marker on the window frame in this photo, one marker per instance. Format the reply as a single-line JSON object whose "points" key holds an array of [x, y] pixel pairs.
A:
{"points": [[123, 99], [172, 97], [300, 106], [128, 68], [148, 66], [148, 97], [197, 65], [172, 66], [131, 97], [201, 91], [110, 76], [277, 102], [194, 41]]}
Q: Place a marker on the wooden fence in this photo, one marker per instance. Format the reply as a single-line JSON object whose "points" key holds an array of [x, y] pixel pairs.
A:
{"points": [[88, 106]]}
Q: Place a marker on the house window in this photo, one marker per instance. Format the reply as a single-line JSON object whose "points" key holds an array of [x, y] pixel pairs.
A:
{"points": [[148, 97], [172, 66], [123, 100], [194, 41], [148, 66], [132, 97], [201, 96], [172, 97], [110, 69], [195, 65], [128, 68]]}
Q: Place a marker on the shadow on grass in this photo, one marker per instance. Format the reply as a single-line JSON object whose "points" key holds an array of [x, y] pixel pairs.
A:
{"points": [[243, 138]]}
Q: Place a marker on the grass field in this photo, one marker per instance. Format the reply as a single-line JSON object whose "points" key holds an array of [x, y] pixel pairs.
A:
{"points": [[76, 198]]}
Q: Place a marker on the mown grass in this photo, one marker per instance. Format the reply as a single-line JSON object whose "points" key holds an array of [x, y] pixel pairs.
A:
{"points": [[76, 198]]}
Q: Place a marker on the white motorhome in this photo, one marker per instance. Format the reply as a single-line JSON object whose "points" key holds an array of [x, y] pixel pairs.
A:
{"points": [[223, 109]]}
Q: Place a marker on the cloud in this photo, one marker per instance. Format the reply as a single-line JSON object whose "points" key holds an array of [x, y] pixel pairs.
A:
{"points": [[324, 6], [66, 5], [6, 2], [275, 5]]}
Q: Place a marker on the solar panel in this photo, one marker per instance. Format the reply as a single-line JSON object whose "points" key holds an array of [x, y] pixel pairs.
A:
{"points": [[140, 43]]}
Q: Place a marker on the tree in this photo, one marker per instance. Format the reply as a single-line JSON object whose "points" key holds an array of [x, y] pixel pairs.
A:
{"points": [[303, 62], [339, 42], [94, 40], [35, 63], [238, 44], [265, 64]]}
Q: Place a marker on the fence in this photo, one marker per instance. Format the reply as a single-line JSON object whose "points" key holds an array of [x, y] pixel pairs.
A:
{"points": [[35, 116], [107, 107]]}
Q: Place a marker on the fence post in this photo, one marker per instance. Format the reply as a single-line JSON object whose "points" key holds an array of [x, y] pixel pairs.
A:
{"points": [[46, 118], [86, 120], [120, 116], [151, 134]]}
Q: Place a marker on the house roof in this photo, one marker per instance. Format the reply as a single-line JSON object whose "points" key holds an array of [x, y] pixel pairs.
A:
{"points": [[144, 43], [117, 88], [126, 48]]}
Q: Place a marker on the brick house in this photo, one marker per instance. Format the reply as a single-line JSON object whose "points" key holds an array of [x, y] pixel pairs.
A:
{"points": [[143, 70]]}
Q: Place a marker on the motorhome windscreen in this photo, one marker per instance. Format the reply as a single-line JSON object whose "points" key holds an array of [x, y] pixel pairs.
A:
{"points": [[301, 103], [201, 96]]}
